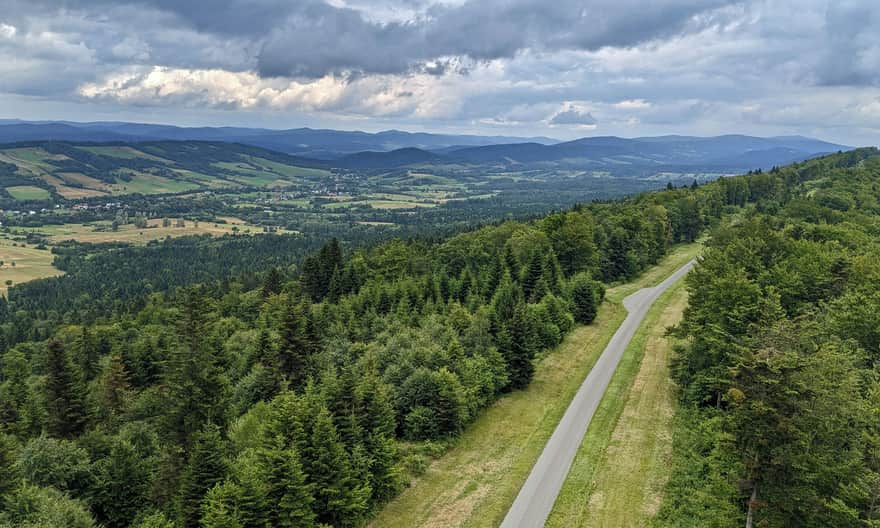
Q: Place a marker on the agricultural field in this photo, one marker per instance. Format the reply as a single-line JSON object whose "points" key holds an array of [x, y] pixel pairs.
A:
{"points": [[86, 171], [22, 264], [27, 192], [102, 232]]}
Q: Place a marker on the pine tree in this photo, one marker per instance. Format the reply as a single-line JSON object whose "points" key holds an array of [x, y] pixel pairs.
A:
{"points": [[204, 469], [65, 393]]}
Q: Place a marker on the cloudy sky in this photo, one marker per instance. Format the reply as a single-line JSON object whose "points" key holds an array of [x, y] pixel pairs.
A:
{"points": [[561, 68]]}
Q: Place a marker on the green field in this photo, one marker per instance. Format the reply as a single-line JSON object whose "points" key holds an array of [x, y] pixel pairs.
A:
{"points": [[474, 483], [27, 192], [618, 475]]}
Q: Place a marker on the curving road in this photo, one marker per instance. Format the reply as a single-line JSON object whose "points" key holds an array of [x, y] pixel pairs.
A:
{"points": [[532, 505]]}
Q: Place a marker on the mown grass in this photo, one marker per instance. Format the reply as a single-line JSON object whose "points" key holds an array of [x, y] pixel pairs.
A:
{"points": [[618, 474], [475, 481]]}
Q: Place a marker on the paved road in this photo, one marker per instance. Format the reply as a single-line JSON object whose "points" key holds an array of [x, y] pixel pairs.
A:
{"points": [[532, 505]]}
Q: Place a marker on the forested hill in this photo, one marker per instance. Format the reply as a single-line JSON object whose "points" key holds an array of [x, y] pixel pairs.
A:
{"points": [[779, 415], [310, 396]]}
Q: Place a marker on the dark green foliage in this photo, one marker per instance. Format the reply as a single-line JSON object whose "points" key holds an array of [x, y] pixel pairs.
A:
{"points": [[36, 506], [298, 345], [9, 473], [121, 485], [778, 425], [523, 346], [65, 393], [586, 295], [205, 467], [339, 499]]}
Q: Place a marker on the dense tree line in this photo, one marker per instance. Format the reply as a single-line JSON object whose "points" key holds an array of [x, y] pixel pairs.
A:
{"points": [[778, 422]]}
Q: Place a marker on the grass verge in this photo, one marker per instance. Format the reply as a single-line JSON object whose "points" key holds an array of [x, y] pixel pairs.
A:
{"points": [[621, 467]]}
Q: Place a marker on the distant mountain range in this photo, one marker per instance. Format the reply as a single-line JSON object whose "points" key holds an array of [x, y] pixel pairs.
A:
{"points": [[632, 157], [308, 142], [619, 156]]}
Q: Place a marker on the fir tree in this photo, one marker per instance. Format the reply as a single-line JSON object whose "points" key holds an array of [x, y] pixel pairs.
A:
{"points": [[585, 298], [297, 345], [339, 499], [288, 497], [205, 468], [65, 393], [115, 387], [9, 474], [522, 350], [272, 283], [532, 274]]}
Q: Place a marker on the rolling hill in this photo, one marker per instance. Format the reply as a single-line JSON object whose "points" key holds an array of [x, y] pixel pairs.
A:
{"points": [[85, 170], [314, 143]]}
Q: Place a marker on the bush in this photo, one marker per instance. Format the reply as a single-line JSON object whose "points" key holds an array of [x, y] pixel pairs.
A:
{"points": [[586, 295]]}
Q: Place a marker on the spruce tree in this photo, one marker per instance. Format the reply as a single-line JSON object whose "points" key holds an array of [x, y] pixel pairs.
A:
{"points": [[288, 497], [510, 261], [9, 474], [585, 298], [121, 485], [115, 387], [296, 346], [339, 499], [65, 393], [272, 283], [522, 350], [531, 275], [204, 469]]}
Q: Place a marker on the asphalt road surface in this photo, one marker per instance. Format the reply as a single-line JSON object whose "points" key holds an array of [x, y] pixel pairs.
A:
{"points": [[532, 505]]}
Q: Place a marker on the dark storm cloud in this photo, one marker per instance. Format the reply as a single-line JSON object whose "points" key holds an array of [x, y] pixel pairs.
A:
{"points": [[311, 38], [667, 64], [317, 39]]}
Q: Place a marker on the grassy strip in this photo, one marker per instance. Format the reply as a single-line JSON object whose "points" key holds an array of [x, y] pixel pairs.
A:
{"points": [[474, 483], [618, 474]]}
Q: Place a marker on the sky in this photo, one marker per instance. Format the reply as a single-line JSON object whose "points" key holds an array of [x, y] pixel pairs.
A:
{"points": [[558, 68]]}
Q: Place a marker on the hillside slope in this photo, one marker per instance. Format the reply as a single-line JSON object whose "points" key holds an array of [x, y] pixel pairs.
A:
{"points": [[84, 170]]}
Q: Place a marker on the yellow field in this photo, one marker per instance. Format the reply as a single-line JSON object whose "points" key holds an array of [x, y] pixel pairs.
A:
{"points": [[100, 232], [30, 264]]}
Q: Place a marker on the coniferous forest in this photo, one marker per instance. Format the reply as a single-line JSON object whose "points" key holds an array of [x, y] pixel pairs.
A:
{"points": [[309, 395]]}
